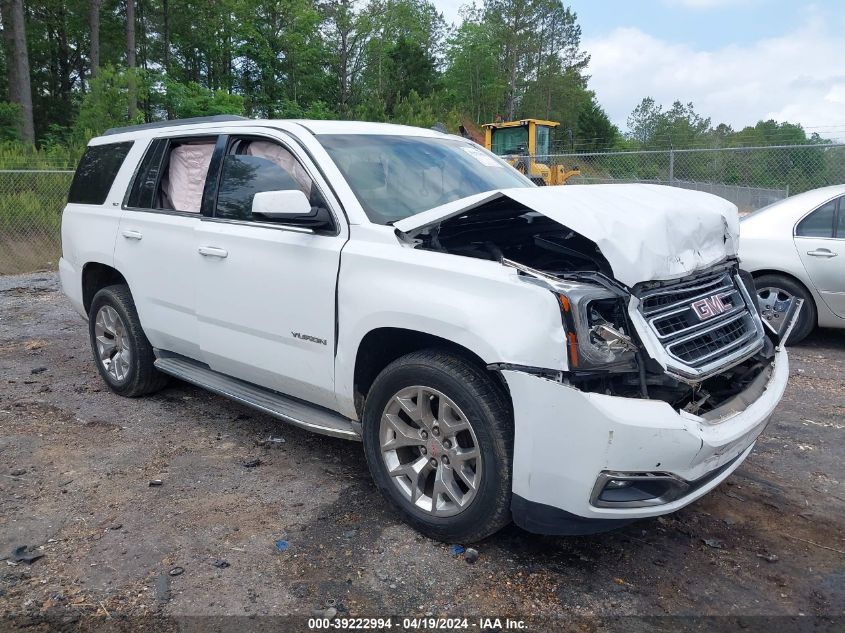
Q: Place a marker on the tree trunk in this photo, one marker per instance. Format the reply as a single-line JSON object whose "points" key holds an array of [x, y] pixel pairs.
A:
{"points": [[21, 63], [344, 71], [9, 49], [64, 65], [165, 9], [130, 57], [94, 23]]}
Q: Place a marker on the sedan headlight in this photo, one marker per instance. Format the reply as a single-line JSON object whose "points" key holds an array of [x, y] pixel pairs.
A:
{"points": [[597, 329]]}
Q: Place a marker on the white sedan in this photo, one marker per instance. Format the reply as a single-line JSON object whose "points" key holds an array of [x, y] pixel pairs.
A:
{"points": [[795, 248]]}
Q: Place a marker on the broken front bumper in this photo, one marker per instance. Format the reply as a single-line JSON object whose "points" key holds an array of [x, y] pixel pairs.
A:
{"points": [[569, 443]]}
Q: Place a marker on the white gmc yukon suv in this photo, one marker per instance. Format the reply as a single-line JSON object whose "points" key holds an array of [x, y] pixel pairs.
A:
{"points": [[569, 358]]}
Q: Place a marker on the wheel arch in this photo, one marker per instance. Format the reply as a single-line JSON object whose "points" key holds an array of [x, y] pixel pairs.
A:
{"points": [[95, 277], [381, 346]]}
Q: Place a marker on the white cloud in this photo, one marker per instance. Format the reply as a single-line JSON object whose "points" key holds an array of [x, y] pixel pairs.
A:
{"points": [[797, 77]]}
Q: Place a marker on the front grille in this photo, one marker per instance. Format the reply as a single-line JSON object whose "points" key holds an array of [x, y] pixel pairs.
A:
{"points": [[701, 322]]}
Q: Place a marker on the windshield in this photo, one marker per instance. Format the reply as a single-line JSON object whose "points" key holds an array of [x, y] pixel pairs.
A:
{"points": [[395, 177]]}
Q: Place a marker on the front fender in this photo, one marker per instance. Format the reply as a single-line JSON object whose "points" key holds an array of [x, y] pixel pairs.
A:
{"points": [[477, 304]]}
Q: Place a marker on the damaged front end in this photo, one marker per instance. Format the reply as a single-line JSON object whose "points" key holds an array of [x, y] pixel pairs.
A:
{"points": [[651, 342], [695, 342]]}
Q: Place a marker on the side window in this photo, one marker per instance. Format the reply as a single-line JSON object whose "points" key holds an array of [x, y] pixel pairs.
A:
{"points": [[143, 192], [253, 166], [242, 178], [183, 177], [172, 175], [96, 172], [819, 223], [840, 225]]}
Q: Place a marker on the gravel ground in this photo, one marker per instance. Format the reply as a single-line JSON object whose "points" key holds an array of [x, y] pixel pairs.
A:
{"points": [[77, 462]]}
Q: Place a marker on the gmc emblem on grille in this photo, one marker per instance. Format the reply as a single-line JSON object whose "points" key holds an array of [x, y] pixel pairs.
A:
{"points": [[709, 307]]}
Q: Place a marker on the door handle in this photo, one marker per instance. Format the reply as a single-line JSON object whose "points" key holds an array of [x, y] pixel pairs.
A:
{"points": [[821, 252], [213, 251], [131, 234]]}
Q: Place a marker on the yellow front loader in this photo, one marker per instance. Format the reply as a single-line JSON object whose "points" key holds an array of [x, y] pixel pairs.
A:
{"points": [[520, 142]]}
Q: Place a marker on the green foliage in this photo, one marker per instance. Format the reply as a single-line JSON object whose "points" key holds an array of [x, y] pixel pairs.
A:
{"points": [[107, 102], [293, 110], [282, 51], [409, 68], [9, 116], [192, 99], [473, 74], [32, 201], [806, 166], [17, 155], [595, 131], [680, 126], [380, 60], [523, 59]]}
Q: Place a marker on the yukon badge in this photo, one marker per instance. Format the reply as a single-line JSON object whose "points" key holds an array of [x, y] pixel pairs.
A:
{"points": [[308, 337], [709, 307]]}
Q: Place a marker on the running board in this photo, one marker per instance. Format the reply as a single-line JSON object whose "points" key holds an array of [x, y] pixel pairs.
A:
{"points": [[296, 412]]}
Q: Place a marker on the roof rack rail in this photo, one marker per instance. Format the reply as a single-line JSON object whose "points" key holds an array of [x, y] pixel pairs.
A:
{"points": [[217, 118]]}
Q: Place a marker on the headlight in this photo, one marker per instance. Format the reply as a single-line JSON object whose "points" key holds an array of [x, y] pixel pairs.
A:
{"points": [[597, 329]]}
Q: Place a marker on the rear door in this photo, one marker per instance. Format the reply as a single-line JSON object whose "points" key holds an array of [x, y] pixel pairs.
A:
{"points": [[820, 240], [265, 289], [155, 240]]}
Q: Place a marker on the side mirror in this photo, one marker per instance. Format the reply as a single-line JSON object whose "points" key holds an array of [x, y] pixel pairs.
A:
{"points": [[281, 205]]}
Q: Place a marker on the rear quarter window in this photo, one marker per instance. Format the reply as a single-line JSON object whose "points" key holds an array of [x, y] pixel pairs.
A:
{"points": [[96, 172], [819, 223]]}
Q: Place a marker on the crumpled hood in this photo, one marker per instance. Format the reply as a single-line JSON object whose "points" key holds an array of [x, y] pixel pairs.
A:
{"points": [[646, 232]]}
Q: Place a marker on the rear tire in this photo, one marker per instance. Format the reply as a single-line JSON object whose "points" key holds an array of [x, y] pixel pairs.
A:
{"points": [[122, 353], [454, 452], [774, 287]]}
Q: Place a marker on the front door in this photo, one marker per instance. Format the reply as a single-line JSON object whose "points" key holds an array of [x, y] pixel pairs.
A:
{"points": [[265, 289], [820, 240]]}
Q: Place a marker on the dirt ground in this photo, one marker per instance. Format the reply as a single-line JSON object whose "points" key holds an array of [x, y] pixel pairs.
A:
{"points": [[76, 463]]}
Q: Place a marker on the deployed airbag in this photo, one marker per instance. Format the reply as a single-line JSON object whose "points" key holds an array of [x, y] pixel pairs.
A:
{"points": [[186, 176], [284, 159]]}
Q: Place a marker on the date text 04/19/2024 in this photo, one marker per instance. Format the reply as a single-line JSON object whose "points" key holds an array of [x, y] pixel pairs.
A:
{"points": [[417, 624]]}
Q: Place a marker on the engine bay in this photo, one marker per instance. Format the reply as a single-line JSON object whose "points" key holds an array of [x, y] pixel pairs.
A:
{"points": [[530, 238], [498, 232]]}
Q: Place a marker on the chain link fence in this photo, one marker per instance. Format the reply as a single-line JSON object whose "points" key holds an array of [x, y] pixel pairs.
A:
{"points": [[750, 177], [31, 201]]}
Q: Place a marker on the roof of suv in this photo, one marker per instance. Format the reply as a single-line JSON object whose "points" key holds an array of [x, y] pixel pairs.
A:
{"points": [[362, 127], [314, 126]]}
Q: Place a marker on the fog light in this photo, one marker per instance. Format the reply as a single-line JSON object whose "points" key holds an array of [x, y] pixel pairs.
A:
{"points": [[634, 490]]}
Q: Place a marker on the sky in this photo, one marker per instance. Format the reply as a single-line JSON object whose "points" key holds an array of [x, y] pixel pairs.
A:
{"points": [[737, 61]]}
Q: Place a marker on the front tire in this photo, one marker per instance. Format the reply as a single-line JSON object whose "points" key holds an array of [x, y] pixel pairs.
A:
{"points": [[122, 353], [438, 438], [774, 293]]}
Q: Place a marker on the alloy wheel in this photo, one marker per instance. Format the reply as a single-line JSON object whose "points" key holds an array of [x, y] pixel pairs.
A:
{"points": [[774, 303], [430, 450], [112, 344]]}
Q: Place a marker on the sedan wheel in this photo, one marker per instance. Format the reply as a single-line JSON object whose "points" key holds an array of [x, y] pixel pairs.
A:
{"points": [[776, 294], [774, 304], [430, 450]]}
